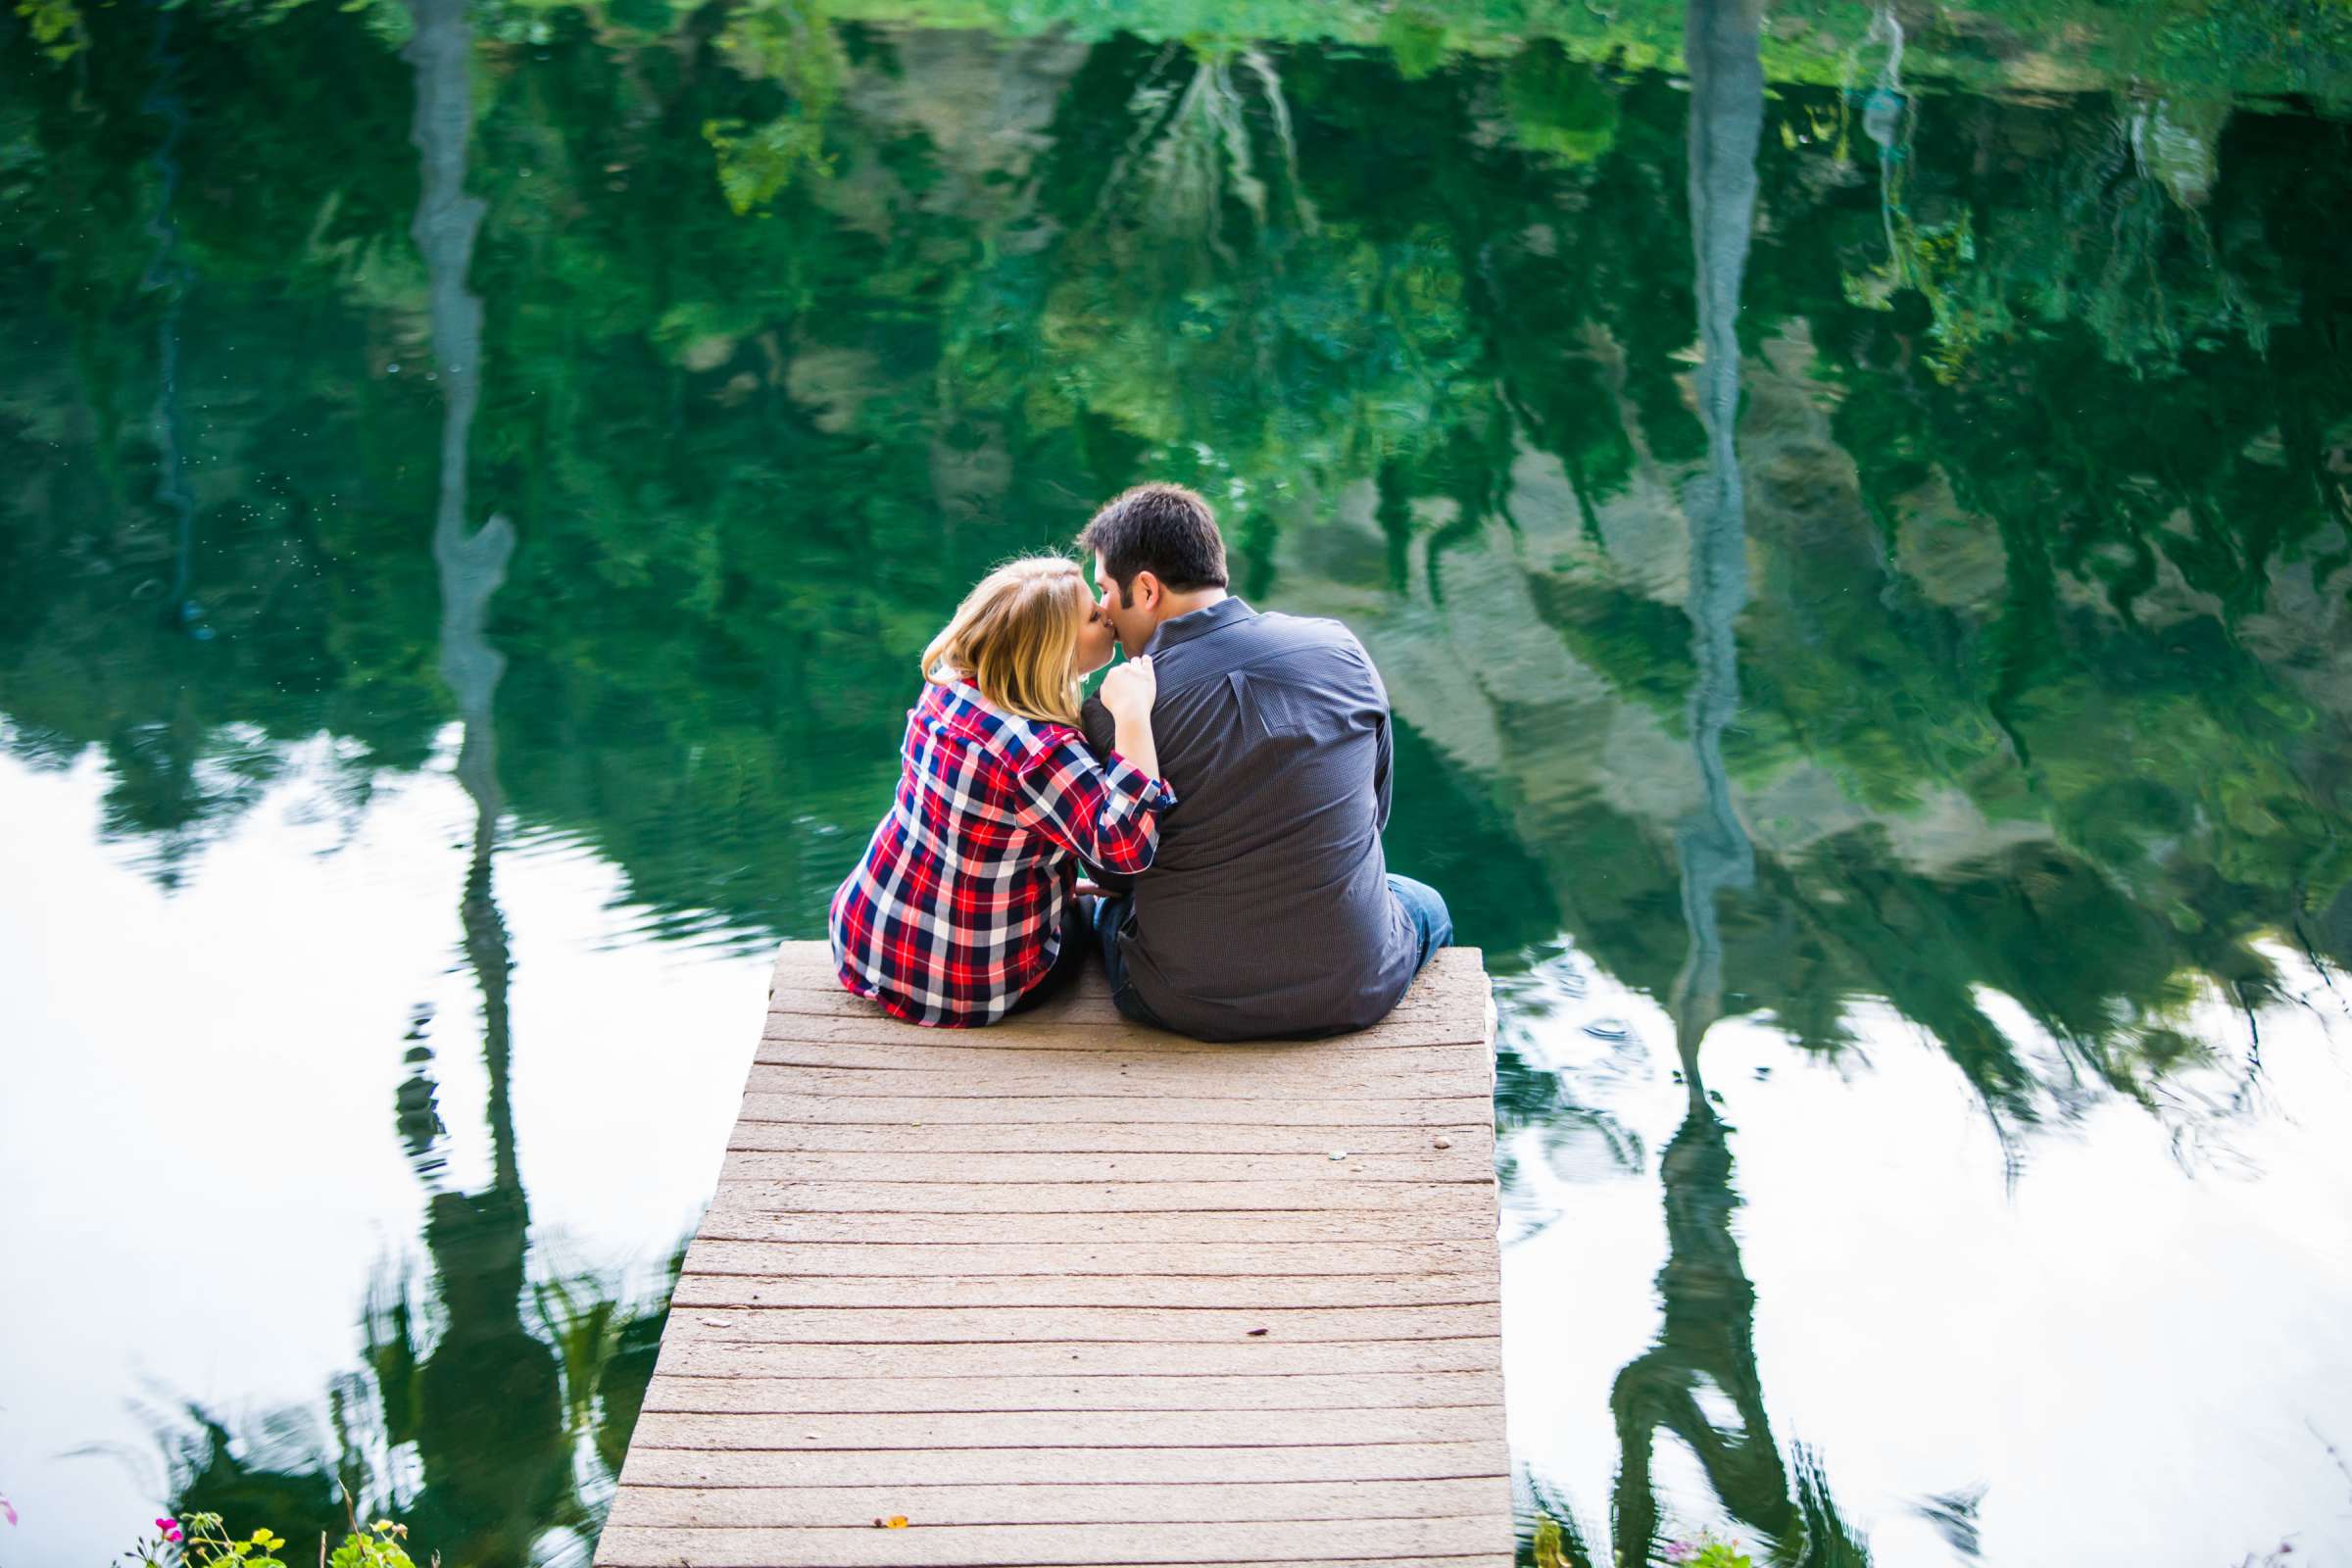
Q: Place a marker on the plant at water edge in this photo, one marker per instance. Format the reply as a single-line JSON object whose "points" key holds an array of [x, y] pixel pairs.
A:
{"points": [[203, 1541], [1707, 1551], [376, 1546]]}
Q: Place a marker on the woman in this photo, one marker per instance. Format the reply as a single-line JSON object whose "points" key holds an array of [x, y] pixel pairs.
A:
{"points": [[965, 906]]}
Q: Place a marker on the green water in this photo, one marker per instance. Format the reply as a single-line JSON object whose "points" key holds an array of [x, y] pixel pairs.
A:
{"points": [[1854, 510]]}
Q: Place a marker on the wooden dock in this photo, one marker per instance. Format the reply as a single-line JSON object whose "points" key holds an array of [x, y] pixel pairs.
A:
{"points": [[1068, 1292]]}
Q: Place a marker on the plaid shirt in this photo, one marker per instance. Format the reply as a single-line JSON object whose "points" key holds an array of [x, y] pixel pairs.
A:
{"points": [[958, 906]]}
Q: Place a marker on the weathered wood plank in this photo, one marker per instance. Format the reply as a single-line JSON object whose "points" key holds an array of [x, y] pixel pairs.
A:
{"points": [[732, 1217], [1072, 1104], [1465, 1198], [1174, 1075], [1474, 1140], [1451, 1561], [693, 1349], [1212, 1502], [1455, 972], [1443, 996], [757, 1396], [1064, 1292], [936, 1545], [915, 1164], [1089, 1290], [1456, 975], [939, 1325], [1439, 1003], [1455, 979], [1090, 1256], [652, 1466], [914, 1468], [853, 1022], [1146, 1051], [1068, 1429]]}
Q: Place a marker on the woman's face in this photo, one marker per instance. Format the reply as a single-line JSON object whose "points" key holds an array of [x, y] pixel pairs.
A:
{"points": [[1095, 637]]}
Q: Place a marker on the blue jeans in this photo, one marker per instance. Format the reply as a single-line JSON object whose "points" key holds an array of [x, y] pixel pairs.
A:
{"points": [[1423, 904], [1111, 914]]}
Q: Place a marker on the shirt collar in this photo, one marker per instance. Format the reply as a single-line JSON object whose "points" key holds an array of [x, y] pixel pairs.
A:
{"points": [[1197, 623]]}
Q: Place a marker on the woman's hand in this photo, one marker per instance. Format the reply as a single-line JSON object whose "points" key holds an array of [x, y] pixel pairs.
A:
{"points": [[1129, 691]]}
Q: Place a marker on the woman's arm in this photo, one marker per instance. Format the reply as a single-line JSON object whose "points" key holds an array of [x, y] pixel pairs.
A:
{"points": [[1107, 815], [1129, 692], [1105, 812], [1134, 743]]}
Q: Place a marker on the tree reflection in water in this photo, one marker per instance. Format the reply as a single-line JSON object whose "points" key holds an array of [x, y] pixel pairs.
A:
{"points": [[472, 1425], [1706, 1339], [482, 1400], [2041, 465]]}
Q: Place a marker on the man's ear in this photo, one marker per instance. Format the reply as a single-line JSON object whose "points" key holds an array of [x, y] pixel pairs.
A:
{"points": [[1143, 593]]}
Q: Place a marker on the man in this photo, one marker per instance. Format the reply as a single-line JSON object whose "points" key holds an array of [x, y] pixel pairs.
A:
{"points": [[1270, 910]]}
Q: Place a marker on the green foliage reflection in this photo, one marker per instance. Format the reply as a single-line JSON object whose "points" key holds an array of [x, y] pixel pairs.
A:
{"points": [[1961, 617]]}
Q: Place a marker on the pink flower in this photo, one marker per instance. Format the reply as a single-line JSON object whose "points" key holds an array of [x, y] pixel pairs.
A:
{"points": [[170, 1528], [8, 1511]]}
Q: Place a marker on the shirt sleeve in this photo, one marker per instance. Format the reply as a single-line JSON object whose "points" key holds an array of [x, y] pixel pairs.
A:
{"points": [[1384, 753], [1106, 812]]}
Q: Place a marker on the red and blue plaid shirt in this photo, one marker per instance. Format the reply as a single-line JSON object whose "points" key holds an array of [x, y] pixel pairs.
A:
{"points": [[958, 906]]}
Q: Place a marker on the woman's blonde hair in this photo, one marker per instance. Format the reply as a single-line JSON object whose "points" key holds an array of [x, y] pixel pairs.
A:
{"points": [[1015, 637]]}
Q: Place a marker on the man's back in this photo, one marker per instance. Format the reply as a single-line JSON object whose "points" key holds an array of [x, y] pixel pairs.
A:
{"points": [[1268, 910]]}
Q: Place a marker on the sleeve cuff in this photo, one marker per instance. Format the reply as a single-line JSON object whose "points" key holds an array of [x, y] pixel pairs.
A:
{"points": [[1148, 793]]}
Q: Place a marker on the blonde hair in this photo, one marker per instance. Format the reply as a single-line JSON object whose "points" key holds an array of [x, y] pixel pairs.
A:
{"points": [[1015, 637]]}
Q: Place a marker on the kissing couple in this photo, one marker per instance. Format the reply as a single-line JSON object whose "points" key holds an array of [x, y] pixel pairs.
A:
{"points": [[1225, 791]]}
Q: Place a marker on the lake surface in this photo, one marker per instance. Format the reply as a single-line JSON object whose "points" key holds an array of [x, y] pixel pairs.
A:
{"points": [[1855, 510]]}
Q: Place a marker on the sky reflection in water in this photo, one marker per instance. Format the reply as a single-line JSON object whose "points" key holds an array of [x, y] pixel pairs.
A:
{"points": [[1861, 565]]}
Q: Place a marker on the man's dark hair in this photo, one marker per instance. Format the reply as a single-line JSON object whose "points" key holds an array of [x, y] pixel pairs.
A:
{"points": [[1164, 529]]}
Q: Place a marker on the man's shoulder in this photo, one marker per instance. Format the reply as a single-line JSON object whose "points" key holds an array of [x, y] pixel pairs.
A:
{"points": [[1302, 653], [1314, 641], [1317, 631]]}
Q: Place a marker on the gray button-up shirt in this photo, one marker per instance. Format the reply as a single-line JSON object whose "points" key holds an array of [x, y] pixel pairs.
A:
{"points": [[1267, 911]]}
